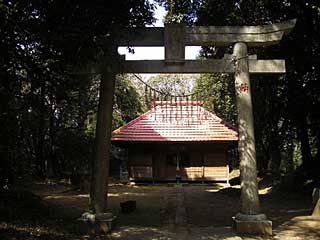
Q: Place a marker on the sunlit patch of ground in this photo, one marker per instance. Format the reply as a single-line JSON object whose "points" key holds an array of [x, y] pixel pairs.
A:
{"points": [[299, 228], [209, 213]]}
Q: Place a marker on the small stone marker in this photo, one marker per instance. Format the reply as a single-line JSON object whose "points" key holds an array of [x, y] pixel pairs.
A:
{"points": [[97, 223], [257, 224]]}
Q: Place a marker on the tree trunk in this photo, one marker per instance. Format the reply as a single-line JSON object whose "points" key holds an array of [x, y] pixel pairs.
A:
{"points": [[275, 154], [50, 161], [82, 103], [263, 167], [305, 145], [41, 166], [5, 168], [316, 160], [289, 163]]}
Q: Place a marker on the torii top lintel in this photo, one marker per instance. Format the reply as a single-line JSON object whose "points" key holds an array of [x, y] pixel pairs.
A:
{"points": [[174, 37], [254, 36]]}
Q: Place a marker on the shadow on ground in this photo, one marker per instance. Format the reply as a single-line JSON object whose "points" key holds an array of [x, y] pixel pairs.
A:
{"points": [[51, 213]]}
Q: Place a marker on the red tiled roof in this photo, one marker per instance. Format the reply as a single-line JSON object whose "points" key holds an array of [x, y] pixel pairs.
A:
{"points": [[181, 121]]}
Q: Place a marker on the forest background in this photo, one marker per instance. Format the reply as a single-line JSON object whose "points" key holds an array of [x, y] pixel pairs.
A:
{"points": [[47, 115]]}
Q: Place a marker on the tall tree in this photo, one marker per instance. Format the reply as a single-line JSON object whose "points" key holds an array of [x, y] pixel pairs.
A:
{"points": [[44, 108]]}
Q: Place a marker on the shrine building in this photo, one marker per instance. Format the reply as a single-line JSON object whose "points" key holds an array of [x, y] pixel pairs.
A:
{"points": [[177, 140]]}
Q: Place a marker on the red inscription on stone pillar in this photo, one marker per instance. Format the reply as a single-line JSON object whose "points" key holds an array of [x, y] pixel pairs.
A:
{"points": [[244, 88]]}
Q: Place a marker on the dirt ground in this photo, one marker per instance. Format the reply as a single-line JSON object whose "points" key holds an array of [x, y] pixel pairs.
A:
{"points": [[206, 212]]}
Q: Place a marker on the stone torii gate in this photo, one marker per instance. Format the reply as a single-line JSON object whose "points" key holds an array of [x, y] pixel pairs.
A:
{"points": [[174, 38]]}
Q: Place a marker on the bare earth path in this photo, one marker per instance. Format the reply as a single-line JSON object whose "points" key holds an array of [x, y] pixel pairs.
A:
{"points": [[192, 212]]}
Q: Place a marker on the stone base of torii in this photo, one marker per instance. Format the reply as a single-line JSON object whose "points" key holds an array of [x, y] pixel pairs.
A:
{"points": [[175, 37]]}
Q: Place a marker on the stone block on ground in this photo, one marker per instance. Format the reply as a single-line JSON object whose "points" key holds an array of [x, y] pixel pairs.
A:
{"points": [[252, 225]]}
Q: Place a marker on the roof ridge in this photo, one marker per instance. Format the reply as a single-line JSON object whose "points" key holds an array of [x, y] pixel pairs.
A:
{"points": [[178, 103]]}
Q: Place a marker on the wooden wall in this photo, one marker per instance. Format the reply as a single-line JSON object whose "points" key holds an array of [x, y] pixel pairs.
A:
{"points": [[197, 162]]}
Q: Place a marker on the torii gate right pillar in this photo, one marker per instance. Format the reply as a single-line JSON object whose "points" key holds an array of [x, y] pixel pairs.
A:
{"points": [[249, 220]]}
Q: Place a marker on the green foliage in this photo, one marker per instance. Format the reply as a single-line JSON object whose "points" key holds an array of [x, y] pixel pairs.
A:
{"points": [[73, 152], [172, 84], [217, 93], [128, 104], [180, 11], [47, 114]]}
